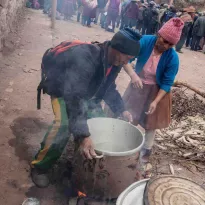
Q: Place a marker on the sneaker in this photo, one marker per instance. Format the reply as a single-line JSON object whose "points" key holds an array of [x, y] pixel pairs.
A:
{"points": [[40, 178], [145, 155], [179, 51]]}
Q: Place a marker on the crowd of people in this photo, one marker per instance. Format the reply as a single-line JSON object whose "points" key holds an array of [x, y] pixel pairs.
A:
{"points": [[148, 18]]}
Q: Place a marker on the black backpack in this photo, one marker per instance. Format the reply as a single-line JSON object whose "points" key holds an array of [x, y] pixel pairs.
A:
{"points": [[49, 70]]}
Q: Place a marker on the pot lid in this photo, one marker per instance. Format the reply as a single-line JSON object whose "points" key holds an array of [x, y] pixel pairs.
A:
{"points": [[133, 195], [173, 190]]}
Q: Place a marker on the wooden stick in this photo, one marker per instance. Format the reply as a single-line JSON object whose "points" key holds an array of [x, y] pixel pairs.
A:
{"points": [[53, 13], [171, 169], [196, 90]]}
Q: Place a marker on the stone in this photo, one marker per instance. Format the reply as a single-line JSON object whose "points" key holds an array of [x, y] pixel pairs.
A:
{"points": [[9, 90], [2, 106], [27, 70], [4, 3]]}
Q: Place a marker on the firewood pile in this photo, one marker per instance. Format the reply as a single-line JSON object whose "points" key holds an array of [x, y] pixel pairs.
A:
{"points": [[185, 138]]}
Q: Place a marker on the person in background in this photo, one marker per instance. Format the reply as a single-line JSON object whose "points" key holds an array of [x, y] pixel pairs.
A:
{"points": [[78, 76], [154, 23], [123, 5], [68, 9], [148, 97], [140, 17], [189, 36], [112, 14], [131, 13], [198, 32], [41, 2], [163, 9], [187, 18], [80, 9], [36, 4], [88, 7], [149, 15], [47, 6], [100, 10], [118, 21], [202, 44], [93, 12], [170, 13], [103, 20]]}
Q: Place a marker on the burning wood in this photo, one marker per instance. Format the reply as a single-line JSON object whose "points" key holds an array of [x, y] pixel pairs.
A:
{"points": [[81, 194]]}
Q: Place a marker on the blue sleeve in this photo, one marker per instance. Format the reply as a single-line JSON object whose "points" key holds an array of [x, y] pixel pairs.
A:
{"points": [[143, 41], [170, 73]]}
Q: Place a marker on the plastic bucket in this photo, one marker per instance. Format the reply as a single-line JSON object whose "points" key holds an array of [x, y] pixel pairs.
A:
{"points": [[119, 143]]}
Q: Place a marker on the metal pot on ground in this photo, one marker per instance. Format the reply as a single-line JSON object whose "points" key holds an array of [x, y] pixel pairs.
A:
{"points": [[118, 143]]}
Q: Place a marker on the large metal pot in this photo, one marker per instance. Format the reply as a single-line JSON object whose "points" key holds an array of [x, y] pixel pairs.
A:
{"points": [[119, 143]]}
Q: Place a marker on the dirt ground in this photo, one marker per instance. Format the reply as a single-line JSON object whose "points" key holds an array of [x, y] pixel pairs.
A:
{"points": [[22, 126]]}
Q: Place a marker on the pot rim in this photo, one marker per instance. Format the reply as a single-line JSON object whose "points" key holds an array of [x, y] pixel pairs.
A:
{"points": [[121, 154]]}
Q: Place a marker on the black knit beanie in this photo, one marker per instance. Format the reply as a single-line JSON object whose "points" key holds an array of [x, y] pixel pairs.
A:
{"points": [[127, 41]]}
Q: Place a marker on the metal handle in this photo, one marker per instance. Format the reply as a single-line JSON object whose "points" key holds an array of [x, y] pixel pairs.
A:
{"points": [[99, 156]]}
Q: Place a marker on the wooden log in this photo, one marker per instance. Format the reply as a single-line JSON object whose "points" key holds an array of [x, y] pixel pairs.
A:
{"points": [[196, 90]]}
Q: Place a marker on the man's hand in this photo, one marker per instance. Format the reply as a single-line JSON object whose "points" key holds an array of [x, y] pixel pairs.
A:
{"points": [[136, 81], [127, 116], [87, 148], [152, 108]]}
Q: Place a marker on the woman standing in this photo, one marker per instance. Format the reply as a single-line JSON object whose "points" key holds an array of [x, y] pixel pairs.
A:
{"points": [[68, 9], [89, 12], [148, 97], [112, 14]]}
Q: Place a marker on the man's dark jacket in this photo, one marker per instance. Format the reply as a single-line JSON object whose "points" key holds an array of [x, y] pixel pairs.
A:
{"points": [[79, 76]]}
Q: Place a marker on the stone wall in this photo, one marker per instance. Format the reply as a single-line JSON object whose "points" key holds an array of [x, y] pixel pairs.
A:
{"points": [[8, 16]]}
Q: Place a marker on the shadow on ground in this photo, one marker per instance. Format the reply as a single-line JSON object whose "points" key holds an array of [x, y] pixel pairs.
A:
{"points": [[28, 132]]}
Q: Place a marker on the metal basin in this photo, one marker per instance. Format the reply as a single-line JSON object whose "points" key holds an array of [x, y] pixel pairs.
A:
{"points": [[119, 143]]}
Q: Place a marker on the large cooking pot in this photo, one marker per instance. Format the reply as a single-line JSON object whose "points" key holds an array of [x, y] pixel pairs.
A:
{"points": [[118, 143], [163, 190]]}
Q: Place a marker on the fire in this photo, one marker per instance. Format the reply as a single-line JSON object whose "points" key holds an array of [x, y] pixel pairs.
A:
{"points": [[81, 194]]}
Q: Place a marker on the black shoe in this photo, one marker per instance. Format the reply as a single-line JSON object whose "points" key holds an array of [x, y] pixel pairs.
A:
{"points": [[40, 178]]}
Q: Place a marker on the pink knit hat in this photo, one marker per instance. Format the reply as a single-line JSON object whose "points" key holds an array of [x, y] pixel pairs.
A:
{"points": [[171, 31]]}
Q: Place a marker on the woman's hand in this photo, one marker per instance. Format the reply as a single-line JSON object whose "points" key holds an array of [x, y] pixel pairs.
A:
{"points": [[136, 81], [152, 108]]}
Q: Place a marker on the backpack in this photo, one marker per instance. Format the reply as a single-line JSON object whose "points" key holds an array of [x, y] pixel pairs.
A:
{"points": [[50, 71], [169, 15]]}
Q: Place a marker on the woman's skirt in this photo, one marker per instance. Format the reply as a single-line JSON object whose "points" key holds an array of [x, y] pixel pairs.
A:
{"points": [[137, 102]]}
